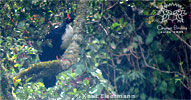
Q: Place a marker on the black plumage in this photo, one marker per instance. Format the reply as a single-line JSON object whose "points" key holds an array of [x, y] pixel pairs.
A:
{"points": [[60, 39], [55, 37]]}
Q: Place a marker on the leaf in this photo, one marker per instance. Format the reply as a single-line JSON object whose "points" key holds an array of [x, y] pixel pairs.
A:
{"points": [[49, 44], [1, 41], [86, 81], [149, 39], [135, 45], [13, 58], [177, 80], [122, 2], [138, 38], [41, 84], [118, 29], [187, 36], [136, 90], [146, 13], [71, 93], [19, 8], [96, 64], [160, 59], [21, 25], [150, 98], [103, 41], [79, 69], [114, 25], [95, 41], [181, 63], [17, 65], [172, 89], [72, 74], [113, 45], [9, 38], [28, 80], [163, 87], [124, 24], [104, 62], [97, 89], [153, 12], [125, 50], [50, 11], [130, 28], [155, 45], [74, 90], [164, 84], [143, 96], [121, 21], [172, 37]]}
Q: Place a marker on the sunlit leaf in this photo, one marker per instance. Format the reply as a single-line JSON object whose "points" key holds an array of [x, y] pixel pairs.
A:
{"points": [[114, 25], [74, 90], [95, 41], [41, 84], [17, 65], [113, 45], [86, 82], [71, 93], [72, 74]]}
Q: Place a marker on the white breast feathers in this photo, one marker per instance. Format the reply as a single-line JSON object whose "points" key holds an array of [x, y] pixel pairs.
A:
{"points": [[67, 37]]}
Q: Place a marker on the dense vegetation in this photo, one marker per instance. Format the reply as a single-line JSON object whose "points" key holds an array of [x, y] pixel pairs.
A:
{"points": [[123, 52]]}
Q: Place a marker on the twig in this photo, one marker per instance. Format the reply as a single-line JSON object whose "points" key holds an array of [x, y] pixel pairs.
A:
{"points": [[104, 29], [154, 68], [132, 52], [112, 6], [104, 10], [185, 86], [182, 40]]}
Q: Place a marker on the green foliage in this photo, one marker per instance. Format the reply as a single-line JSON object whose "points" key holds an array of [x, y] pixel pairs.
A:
{"points": [[163, 87], [122, 39], [150, 37]]}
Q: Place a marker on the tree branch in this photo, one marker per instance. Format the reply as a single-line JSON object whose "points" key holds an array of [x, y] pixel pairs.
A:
{"points": [[154, 68]]}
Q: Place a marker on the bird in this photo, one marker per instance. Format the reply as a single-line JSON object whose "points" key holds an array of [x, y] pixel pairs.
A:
{"points": [[58, 39]]}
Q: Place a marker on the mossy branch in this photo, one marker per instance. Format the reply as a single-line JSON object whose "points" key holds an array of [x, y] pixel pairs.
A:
{"points": [[40, 70]]}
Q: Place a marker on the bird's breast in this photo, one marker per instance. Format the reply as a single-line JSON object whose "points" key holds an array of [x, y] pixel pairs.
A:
{"points": [[67, 37]]}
